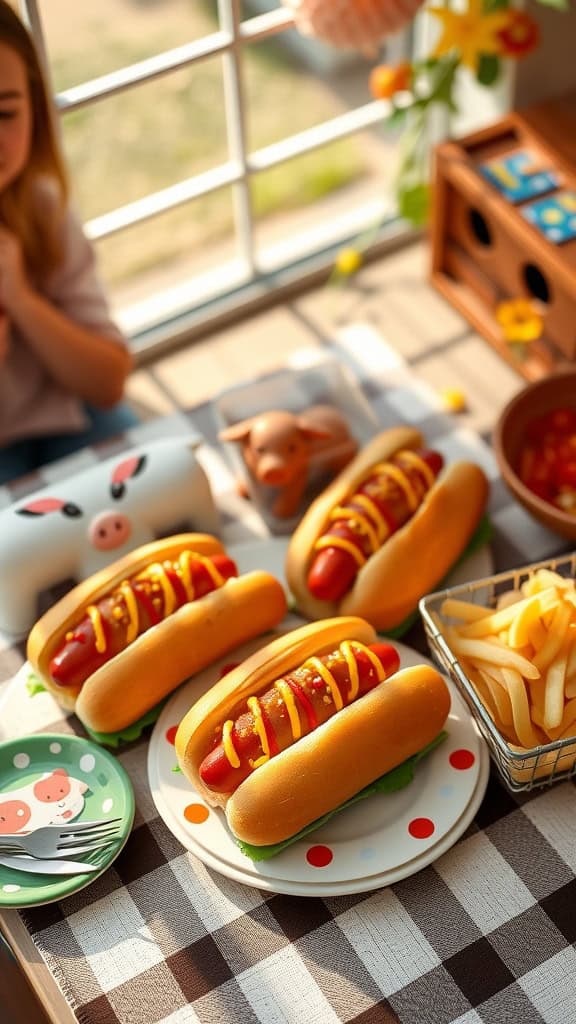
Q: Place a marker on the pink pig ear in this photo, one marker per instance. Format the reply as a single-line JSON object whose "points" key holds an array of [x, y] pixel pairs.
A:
{"points": [[128, 468], [41, 507], [311, 433], [238, 431], [60, 771]]}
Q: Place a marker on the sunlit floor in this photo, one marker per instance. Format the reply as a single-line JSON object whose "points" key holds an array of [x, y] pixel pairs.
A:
{"points": [[392, 296]]}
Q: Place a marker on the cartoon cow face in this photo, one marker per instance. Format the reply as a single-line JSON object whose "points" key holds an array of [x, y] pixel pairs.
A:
{"points": [[51, 800], [108, 530], [78, 526]]}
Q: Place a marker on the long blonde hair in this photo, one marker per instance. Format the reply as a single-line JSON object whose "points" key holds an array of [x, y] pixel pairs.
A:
{"points": [[39, 233]]}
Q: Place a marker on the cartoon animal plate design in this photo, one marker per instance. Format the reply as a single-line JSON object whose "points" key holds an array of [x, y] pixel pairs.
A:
{"points": [[53, 779]]}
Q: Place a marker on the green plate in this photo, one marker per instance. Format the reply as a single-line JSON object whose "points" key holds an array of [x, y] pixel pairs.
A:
{"points": [[95, 788]]}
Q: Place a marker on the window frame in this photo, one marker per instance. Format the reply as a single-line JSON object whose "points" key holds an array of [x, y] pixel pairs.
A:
{"points": [[257, 284]]}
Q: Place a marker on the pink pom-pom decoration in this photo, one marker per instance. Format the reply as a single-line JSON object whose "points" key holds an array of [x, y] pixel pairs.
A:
{"points": [[352, 24]]}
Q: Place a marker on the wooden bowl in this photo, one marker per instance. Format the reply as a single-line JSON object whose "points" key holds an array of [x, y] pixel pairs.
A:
{"points": [[552, 392]]}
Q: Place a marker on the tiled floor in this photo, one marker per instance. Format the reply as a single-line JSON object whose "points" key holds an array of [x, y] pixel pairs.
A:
{"points": [[391, 296]]}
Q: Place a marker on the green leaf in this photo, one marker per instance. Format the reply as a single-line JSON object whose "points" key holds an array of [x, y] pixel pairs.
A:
{"points": [[34, 685], [397, 117], [130, 733], [444, 84], [560, 5], [488, 69], [495, 5], [393, 781], [414, 203]]}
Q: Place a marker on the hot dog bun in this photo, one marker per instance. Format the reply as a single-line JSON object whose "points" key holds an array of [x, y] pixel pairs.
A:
{"points": [[414, 559], [156, 662], [347, 753], [324, 768]]}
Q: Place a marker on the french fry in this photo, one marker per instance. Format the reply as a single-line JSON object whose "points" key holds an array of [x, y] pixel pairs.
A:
{"points": [[521, 660], [495, 654], [520, 708], [528, 616], [554, 690], [466, 611], [556, 635], [507, 598], [505, 617], [536, 634], [568, 723], [498, 692], [485, 695], [549, 578]]}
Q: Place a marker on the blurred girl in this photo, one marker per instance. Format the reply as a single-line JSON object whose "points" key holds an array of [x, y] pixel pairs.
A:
{"points": [[63, 362]]}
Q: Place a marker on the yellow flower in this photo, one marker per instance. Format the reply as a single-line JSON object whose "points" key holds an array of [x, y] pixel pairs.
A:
{"points": [[453, 400], [519, 320], [471, 32], [348, 261]]}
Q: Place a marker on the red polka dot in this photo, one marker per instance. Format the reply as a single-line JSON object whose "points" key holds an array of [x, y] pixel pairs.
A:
{"points": [[421, 828], [171, 734], [462, 759], [319, 856]]}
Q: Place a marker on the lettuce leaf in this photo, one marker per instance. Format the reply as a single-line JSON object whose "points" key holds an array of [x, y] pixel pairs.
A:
{"points": [[393, 781], [130, 733], [106, 739]]}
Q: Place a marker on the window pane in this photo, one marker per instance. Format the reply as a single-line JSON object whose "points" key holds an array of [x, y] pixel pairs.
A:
{"points": [[147, 138], [310, 202], [286, 94], [86, 39], [175, 257]]}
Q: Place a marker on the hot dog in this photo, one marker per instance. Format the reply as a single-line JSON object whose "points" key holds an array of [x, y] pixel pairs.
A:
{"points": [[122, 640], [385, 531], [277, 757]]}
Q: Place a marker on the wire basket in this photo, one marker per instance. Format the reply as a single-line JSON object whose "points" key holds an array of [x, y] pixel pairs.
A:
{"points": [[521, 770]]}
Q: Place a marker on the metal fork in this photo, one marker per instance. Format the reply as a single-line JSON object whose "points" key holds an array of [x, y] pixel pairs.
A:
{"points": [[62, 840]]}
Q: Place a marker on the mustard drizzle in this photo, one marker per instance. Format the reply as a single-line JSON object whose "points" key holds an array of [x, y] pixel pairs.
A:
{"points": [[260, 729], [132, 609], [399, 477], [346, 649], [95, 617], [290, 705], [228, 744], [156, 573], [417, 463], [372, 524]]}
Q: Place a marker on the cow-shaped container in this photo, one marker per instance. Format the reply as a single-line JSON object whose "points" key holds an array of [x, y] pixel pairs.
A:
{"points": [[71, 529]]}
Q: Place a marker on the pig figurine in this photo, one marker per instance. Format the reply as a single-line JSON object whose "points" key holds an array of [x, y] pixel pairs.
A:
{"points": [[73, 528], [280, 448]]}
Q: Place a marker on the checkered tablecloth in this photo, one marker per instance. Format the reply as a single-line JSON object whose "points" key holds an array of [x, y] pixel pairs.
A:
{"points": [[486, 933]]}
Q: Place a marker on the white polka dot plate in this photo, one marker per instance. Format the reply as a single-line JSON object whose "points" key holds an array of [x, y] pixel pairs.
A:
{"points": [[372, 844], [52, 779]]}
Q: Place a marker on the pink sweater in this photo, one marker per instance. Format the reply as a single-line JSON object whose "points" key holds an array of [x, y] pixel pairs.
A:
{"points": [[32, 404]]}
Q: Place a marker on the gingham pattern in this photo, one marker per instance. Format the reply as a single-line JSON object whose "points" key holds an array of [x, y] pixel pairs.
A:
{"points": [[485, 934]]}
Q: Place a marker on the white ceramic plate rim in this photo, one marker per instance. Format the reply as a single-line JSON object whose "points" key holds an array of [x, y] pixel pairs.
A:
{"points": [[256, 876]]}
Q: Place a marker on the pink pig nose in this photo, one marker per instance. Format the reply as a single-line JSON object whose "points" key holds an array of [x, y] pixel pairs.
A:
{"points": [[273, 472], [109, 530]]}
